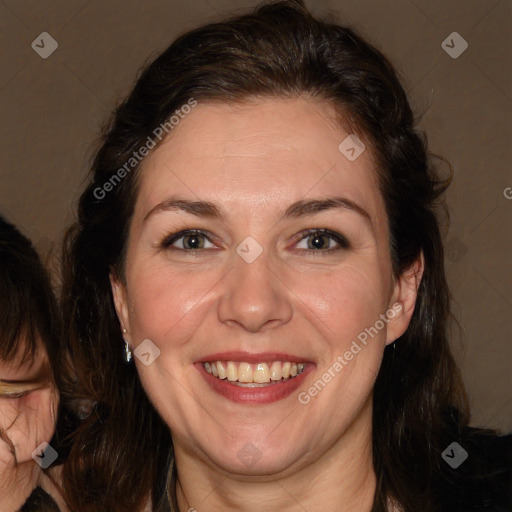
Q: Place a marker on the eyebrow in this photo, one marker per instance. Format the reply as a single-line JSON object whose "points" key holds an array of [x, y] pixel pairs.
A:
{"points": [[301, 208]]}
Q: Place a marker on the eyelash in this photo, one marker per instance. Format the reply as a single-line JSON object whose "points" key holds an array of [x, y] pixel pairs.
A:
{"points": [[14, 396], [341, 240]]}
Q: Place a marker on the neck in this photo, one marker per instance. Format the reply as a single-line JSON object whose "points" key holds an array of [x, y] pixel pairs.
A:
{"points": [[340, 480], [51, 482]]}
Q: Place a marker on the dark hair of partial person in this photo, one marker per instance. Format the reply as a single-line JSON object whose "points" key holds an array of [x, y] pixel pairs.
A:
{"points": [[28, 309], [277, 51]]}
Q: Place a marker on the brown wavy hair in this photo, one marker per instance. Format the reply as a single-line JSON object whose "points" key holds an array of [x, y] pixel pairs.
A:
{"points": [[279, 50]]}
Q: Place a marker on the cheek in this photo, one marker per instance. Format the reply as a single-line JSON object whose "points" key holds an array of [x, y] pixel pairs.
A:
{"points": [[345, 300], [162, 298], [29, 420], [42, 404], [348, 303], [8, 412]]}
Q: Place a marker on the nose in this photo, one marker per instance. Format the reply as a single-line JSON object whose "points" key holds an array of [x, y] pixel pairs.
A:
{"points": [[254, 297]]}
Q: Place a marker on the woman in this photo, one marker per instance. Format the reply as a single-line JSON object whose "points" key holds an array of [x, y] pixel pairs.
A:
{"points": [[254, 293], [28, 394]]}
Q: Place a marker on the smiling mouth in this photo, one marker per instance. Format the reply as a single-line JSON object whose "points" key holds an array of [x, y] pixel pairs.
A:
{"points": [[254, 375]]}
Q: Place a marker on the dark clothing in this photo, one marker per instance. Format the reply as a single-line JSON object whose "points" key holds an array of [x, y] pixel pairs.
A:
{"points": [[483, 482], [39, 501]]}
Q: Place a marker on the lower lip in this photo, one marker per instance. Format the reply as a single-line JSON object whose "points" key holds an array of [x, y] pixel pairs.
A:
{"points": [[258, 395]]}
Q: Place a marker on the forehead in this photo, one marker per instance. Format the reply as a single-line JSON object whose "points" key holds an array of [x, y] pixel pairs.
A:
{"points": [[265, 153]]}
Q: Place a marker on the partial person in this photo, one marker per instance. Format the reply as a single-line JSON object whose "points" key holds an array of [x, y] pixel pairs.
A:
{"points": [[29, 397]]}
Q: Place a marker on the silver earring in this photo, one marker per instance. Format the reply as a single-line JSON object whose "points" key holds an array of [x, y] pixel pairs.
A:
{"points": [[127, 350]]}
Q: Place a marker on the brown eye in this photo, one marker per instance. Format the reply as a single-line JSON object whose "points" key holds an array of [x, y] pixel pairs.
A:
{"points": [[322, 241], [318, 241], [193, 242], [189, 240]]}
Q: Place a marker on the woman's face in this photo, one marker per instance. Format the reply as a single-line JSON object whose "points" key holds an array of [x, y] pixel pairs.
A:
{"points": [[278, 276], [28, 405]]}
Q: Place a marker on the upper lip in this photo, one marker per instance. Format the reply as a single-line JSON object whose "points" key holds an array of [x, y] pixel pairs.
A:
{"points": [[252, 357]]}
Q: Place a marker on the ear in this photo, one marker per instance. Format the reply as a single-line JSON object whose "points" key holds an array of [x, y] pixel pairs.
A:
{"points": [[403, 301], [121, 304]]}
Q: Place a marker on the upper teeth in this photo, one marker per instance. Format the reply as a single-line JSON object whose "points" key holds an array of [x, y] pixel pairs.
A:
{"points": [[259, 373]]}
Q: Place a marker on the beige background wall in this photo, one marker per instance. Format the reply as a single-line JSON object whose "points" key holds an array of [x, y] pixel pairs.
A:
{"points": [[51, 109]]}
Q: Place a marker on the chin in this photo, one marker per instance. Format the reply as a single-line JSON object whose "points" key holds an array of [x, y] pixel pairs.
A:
{"points": [[251, 462], [253, 455]]}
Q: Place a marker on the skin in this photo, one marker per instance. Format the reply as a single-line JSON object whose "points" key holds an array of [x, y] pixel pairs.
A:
{"points": [[253, 161], [25, 422]]}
